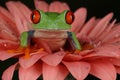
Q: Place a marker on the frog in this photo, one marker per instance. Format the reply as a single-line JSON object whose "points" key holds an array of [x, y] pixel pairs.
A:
{"points": [[53, 28]]}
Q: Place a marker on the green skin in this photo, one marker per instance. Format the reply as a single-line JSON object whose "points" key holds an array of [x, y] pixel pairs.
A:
{"points": [[51, 23]]}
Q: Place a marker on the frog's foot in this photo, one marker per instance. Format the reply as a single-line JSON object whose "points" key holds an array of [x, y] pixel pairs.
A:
{"points": [[28, 50], [18, 50], [27, 53], [84, 47], [77, 51], [25, 50], [87, 47]]}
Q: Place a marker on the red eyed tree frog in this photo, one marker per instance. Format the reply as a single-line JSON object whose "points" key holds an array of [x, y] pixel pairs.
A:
{"points": [[51, 27]]}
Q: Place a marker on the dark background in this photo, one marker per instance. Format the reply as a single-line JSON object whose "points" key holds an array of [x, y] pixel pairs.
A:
{"points": [[98, 8]]}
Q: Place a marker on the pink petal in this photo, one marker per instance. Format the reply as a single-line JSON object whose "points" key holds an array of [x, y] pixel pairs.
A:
{"points": [[87, 27], [7, 44], [54, 59], [118, 70], [8, 73], [7, 35], [58, 7], [25, 63], [114, 41], [116, 62], [54, 72], [72, 57], [105, 51], [7, 24], [42, 5], [5, 55], [80, 17], [6, 13], [79, 70], [106, 32], [103, 70], [111, 25], [31, 73], [84, 38], [113, 34], [24, 9], [20, 20], [85, 52], [100, 27]]}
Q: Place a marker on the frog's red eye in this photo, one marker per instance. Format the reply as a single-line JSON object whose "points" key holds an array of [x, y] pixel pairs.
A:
{"points": [[35, 16], [69, 17]]}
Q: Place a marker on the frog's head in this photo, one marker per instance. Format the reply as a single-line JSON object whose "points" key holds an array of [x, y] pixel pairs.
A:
{"points": [[52, 20]]}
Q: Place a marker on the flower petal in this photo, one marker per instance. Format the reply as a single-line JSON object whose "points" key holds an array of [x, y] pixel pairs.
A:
{"points": [[105, 51], [26, 63], [6, 13], [72, 57], [87, 27], [54, 59], [7, 35], [79, 70], [31, 73], [106, 32], [5, 55], [7, 24], [8, 73], [116, 62], [118, 70], [58, 7], [20, 20], [100, 27], [112, 35], [42, 5], [7, 44], [103, 70], [58, 72], [24, 9], [80, 17]]}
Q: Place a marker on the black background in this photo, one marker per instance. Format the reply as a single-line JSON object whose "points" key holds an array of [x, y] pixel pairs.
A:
{"points": [[98, 8]]}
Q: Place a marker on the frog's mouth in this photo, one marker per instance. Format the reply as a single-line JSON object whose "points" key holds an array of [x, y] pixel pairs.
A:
{"points": [[41, 33], [53, 30]]}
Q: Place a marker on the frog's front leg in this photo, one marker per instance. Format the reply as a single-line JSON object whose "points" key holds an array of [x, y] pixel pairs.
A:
{"points": [[25, 39], [74, 41]]}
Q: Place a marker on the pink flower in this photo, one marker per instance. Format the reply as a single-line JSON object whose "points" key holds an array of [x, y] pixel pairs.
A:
{"points": [[99, 38]]}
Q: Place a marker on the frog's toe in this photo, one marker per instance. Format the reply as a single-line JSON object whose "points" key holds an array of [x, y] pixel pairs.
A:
{"points": [[77, 51], [25, 50], [27, 53], [18, 50]]}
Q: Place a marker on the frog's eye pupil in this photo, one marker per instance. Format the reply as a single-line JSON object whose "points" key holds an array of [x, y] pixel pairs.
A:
{"points": [[69, 17], [35, 16]]}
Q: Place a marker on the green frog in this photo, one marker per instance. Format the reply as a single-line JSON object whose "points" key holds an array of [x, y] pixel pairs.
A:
{"points": [[53, 28]]}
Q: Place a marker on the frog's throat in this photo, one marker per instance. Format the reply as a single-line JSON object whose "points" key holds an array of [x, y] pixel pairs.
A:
{"points": [[51, 34]]}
